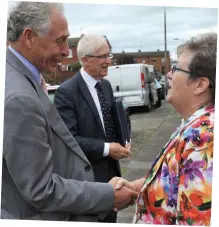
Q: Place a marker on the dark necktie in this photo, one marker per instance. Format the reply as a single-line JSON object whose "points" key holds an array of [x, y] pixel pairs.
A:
{"points": [[107, 116]]}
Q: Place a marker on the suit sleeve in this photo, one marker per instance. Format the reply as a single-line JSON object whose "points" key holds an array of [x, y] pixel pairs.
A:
{"points": [[29, 159], [64, 103]]}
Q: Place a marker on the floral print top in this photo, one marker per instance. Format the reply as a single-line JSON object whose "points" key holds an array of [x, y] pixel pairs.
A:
{"points": [[177, 189]]}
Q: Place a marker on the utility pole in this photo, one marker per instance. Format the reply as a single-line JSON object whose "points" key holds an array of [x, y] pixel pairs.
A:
{"points": [[165, 42]]}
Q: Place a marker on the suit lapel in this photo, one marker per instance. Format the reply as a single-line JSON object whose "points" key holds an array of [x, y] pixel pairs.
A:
{"points": [[54, 119], [87, 95]]}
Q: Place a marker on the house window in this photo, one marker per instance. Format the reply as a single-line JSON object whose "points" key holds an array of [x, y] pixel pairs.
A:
{"points": [[70, 54], [154, 60], [63, 67], [143, 60], [69, 68]]}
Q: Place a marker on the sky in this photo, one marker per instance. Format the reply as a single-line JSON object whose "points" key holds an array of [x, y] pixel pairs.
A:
{"points": [[130, 28]]}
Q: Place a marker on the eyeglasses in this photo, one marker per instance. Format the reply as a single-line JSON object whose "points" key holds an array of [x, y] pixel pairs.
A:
{"points": [[174, 69], [101, 56]]}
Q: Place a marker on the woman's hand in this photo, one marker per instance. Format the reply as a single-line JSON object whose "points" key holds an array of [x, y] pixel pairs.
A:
{"points": [[134, 185], [123, 182]]}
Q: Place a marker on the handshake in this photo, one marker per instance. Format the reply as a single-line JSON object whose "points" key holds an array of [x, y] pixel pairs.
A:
{"points": [[125, 192]]}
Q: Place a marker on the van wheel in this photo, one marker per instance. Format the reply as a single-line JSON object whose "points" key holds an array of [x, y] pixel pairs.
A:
{"points": [[148, 108]]}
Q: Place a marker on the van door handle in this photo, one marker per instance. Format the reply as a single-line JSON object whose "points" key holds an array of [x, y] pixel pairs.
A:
{"points": [[117, 88]]}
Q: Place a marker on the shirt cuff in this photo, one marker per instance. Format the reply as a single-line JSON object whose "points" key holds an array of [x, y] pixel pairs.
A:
{"points": [[106, 149]]}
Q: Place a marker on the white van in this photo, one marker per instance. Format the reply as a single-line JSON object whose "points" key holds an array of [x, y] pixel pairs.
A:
{"points": [[134, 84]]}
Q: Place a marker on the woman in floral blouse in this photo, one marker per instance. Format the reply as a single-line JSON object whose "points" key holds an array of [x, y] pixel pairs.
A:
{"points": [[177, 189]]}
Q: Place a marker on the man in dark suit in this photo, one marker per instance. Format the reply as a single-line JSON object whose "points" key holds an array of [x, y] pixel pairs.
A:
{"points": [[85, 104], [45, 174]]}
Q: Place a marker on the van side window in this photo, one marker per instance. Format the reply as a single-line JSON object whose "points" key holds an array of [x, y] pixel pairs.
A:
{"points": [[147, 75], [146, 72]]}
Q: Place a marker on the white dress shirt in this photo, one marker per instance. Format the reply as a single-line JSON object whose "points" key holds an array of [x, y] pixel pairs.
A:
{"points": [[91, 82]]}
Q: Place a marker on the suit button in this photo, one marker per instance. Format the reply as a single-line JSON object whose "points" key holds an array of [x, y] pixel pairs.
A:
{"points": [[87, 168]]}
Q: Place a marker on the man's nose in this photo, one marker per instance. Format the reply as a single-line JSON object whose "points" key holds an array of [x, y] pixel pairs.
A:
{"points": [[65, 50], [108, 60]]}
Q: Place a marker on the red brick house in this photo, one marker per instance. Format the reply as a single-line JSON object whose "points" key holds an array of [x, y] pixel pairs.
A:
{"points": [[66, 70], [73, 57], [155, 58]]}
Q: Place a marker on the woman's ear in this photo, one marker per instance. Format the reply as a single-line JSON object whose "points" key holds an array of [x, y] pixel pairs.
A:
{"points": [[202, 84]]}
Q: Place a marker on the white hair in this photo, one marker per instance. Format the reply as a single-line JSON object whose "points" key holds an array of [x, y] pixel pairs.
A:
{"points": [[89, 44], [34, 15]]}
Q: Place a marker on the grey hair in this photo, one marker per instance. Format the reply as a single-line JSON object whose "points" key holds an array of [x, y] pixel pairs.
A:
{"points": [[203, 63], [89, 44], [34, 15]]}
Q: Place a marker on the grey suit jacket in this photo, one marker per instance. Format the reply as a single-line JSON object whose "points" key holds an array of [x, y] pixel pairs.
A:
{"points": [[45, 174]]}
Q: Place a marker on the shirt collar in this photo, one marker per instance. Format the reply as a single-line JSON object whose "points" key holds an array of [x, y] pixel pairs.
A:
{"points": [[89, 80], [27, 63]]}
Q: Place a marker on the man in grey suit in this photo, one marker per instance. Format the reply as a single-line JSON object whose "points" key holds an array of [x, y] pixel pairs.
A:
{"points": [[45, 174]]}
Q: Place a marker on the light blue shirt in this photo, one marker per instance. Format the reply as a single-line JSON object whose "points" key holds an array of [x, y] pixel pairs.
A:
{"points": [[29, 65], [91, 82]]}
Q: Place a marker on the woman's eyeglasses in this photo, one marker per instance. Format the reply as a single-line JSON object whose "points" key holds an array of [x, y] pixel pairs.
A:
{"points": [[174, 69]]}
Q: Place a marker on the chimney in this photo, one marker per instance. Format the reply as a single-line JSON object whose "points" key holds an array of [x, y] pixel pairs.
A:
{"points": [[158, 50], [139, 50]]}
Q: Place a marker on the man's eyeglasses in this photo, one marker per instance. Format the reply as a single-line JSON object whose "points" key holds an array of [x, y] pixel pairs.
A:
{"points": [[101, 56], [174, 69]]}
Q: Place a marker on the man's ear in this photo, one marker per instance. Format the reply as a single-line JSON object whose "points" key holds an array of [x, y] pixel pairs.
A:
{"points": [[29, 37], [84, 60]]}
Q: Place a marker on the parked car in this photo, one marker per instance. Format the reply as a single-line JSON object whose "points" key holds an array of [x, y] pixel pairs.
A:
{"points": [[134, 84], [52, 90]]}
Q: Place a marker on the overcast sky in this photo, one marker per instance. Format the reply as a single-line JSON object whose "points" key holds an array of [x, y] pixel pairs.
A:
{"points": [[131, 28]]}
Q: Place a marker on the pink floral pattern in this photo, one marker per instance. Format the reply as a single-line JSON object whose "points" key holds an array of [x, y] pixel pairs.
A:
{"points": [[177, 189]]}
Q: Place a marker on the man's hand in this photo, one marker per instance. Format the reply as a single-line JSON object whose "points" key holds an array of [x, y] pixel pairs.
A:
{"points": [[116, 151], [128, 146], [123, 197]]}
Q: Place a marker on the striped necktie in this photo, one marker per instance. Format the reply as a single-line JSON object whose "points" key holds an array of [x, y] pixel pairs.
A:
{"points": [[43, 84]]}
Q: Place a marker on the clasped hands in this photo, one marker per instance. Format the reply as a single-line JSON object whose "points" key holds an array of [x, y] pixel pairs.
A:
{"points": [[125, 192]]}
